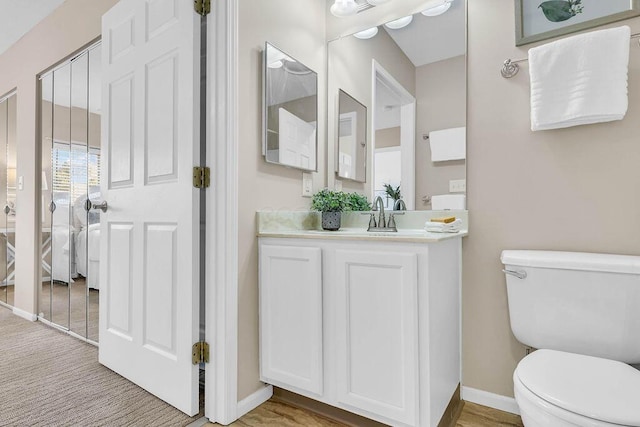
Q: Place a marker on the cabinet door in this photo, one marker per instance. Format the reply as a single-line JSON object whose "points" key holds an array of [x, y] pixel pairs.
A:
{"points": [[377, 333], [291, 317]]}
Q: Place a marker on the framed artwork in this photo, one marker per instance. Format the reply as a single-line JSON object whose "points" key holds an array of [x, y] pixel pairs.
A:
{"points": [[543, 19]]}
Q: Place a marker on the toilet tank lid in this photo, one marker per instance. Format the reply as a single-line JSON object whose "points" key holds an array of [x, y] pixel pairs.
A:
{"points": [[572, 261]]}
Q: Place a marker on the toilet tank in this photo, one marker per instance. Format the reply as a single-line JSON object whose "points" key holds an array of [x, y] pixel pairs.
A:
{"points": [[576, 302]]}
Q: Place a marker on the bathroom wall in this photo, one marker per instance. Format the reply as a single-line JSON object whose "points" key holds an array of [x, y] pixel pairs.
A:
{"points": [[389, 137], [574, 189], [42, 47], [441, 96], [298, 28]]}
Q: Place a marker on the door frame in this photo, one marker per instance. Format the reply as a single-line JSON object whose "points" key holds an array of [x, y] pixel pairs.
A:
{"points": [[221, 277]]}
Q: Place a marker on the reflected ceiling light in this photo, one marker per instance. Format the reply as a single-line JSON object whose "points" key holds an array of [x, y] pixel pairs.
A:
{"points": [[376, 2], [439, 9], [399, 23], [275, 64], [342, 8], [366, 34]]}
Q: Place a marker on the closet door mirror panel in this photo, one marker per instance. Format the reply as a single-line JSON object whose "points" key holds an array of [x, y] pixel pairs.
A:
{"points": [[78, 193], [7, 195], [46, 127], [92, 243], [61, 239], [70, 122]]}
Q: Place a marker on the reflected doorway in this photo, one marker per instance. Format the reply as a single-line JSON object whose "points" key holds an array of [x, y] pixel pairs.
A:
{"points": [[70, 124], [393, 139]]}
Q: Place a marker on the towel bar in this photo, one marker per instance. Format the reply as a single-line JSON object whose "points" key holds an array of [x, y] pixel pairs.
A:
{"points": [[510, 67]]}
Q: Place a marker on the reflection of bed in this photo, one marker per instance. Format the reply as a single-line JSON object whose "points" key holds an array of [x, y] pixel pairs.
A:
{"points": [[88, 254], [87, 240], [62, 246]]}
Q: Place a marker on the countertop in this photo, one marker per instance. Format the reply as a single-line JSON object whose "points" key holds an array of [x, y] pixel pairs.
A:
{"points": [[306, 225]]}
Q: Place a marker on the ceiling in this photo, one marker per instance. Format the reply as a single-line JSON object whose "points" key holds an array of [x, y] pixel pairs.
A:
{"points": [[17, 17], [432, 39]]}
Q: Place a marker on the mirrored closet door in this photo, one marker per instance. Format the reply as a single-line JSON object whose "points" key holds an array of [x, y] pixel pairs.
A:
{"points": [[70, 113], [8, 184]]}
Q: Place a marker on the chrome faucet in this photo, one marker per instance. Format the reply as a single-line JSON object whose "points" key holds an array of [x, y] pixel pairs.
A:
{"points": [[399, 205], [382, 222]]}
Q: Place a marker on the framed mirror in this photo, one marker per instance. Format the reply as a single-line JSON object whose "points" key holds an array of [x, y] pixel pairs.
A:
{"points": [[352, 138], [290, 111], [410, 76]]}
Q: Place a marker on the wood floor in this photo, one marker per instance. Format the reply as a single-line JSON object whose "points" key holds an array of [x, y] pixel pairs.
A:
{"points": [[276, 413]]}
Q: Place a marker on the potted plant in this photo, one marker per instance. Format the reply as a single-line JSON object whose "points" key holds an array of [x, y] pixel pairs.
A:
{"points": [[331, 204]]}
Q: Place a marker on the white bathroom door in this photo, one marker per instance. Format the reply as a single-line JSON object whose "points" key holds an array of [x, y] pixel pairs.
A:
{"points": [[149, 253]]}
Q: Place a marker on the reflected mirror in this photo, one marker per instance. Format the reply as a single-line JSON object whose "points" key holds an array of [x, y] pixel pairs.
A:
{"points": [[410, 75], [352, 138], [290, 112]]}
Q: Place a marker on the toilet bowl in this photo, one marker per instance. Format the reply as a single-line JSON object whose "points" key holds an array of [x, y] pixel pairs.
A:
{"points": [[560, 389]]}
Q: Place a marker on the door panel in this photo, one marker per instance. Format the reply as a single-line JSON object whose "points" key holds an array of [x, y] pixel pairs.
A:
{"points": [[377, 333], [291, 317], [149, 281]]}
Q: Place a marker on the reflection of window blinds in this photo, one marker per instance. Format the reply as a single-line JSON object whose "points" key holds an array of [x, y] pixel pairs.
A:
{"points": [[75, 169]]}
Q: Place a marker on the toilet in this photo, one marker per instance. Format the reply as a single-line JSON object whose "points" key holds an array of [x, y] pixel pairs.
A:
{"points": [[582, 312]]}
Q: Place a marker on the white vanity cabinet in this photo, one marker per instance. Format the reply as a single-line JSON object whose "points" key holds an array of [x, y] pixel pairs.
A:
{"points": [[372, 327]]}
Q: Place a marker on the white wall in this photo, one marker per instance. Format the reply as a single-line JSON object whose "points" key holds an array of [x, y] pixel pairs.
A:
{"points": [[298, 28]]}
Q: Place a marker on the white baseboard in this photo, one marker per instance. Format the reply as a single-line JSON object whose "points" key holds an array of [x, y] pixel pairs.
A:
{"points": [[25, 314], [492, 400], [254, 400]]}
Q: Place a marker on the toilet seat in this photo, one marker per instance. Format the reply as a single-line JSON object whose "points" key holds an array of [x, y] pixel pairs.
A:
{"points": [[602, 391]]}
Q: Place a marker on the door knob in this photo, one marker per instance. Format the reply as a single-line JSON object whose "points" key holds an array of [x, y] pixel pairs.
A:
{"points": [[102, 206]]}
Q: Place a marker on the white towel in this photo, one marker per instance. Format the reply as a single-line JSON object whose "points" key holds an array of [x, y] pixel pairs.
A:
{"points": [[448, 144], [441, 227], [580, 80]]}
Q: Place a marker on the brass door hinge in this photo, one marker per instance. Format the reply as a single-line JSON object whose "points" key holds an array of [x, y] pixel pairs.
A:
{"points": [[203, 7], [200, 353], [201, 177]]}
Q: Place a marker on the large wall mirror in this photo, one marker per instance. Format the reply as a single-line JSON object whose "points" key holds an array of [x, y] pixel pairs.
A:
{"points": [[9, 183], [290, 112], [410, 75]]}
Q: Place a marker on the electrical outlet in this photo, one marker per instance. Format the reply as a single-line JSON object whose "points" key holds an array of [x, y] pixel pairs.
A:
{"points": [[307, 185], [338, 185], [457, 186]]}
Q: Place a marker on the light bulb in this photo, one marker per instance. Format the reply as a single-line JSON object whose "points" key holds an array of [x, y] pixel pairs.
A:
{"points": [[342, 8], [399, 23], [366, 34], [438, 10]]}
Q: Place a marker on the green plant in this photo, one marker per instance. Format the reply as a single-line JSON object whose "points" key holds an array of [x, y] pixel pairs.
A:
{"points": [[391, 192], [357, 202], [328, 201]]}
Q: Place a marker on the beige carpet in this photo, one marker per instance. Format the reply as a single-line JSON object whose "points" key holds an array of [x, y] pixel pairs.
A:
{"points": [[48, 378]]}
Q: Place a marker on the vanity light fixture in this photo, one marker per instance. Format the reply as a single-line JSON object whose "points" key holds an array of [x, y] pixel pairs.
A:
{"points": [[376, 2], [342, 8], [439, 9], [366, 34], [399, 23]]}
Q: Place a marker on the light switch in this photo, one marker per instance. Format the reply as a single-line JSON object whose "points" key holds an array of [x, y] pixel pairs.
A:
{"points": [[20, 182], [307, 185]]}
